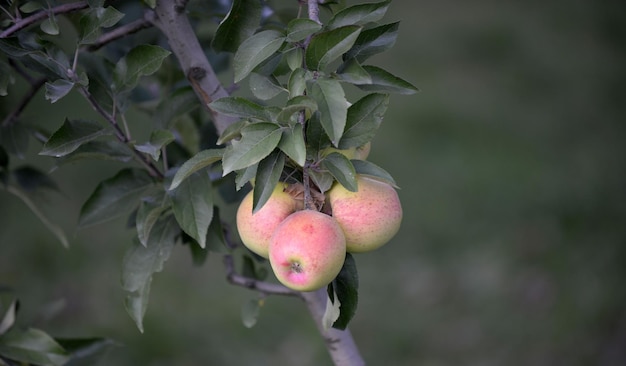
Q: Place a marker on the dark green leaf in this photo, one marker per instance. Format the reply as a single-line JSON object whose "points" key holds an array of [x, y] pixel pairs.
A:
{"points": [[245, 175], [158, 139], [346, 286], [4, 158], [71, 135], [295, 105], [95, 19], [215, 241], [364, 167], [342, 169], [323, 179], [294, 58], [297, 82], [383, 81], [14, 138], [12, 48], [364, 118], [9, 317], [32, 346], [58, 89], [199, 161], [233, 131], [238, 25], [32, 179], [265, 87], [192, 202], [240, 107], [300, 28], [257, 141], [148, 214], [102, 150], [255, 50], [352, 72], [373, 41], [85, 351], [292, 144], [140, 61], [50, 25], [359, 14], [6, 78], [181, 101], [333, 106], [325, 47], [30, 7], [267, 176], [140, 263], [115, 196]]}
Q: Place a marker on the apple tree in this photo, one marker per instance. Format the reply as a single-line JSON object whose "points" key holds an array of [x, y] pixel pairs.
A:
{"points": [[236, 92]]}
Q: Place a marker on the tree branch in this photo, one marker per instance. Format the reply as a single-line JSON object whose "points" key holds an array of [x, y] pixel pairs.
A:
{"points": [[264, 287], [170, 18], [41, 15], [120, 32]]}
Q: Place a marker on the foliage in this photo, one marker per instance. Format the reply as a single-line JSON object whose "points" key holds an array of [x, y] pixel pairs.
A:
{"points": [[312, 89]]}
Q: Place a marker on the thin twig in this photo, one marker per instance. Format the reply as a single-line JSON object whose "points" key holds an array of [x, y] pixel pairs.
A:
{"points": [[119, 32], [253, 284], [41, 15], [35, 85]]}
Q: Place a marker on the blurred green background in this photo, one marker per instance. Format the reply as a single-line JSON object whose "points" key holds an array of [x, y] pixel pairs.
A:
{"points": [[511, 161]]}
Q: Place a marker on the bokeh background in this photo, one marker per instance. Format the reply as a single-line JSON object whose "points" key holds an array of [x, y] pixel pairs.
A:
{"points": [[513, 247]]}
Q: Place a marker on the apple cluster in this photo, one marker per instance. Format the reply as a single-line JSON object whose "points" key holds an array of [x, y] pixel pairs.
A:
{"points": [[306, 248]]}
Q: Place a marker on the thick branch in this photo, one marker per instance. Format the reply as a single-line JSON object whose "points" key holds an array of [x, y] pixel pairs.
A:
{"points": [[173, 22], [340, 344], [39, 16]]}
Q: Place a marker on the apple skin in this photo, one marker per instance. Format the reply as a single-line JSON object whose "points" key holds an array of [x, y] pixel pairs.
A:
{"points": [[360, 152], [369, 217], [307, 250], [256, 229]]}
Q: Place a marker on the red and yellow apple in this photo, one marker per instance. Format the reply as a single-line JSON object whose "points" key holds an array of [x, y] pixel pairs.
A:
{"points": [[256, 229], [307, 250], [369, 217]]}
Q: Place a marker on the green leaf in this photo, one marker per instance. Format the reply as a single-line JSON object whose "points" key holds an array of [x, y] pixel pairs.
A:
{"points": [[300, 28], [13, 48], [140, 263], [199, 161], [325, 47], [71, 135], [364, 167], [322, 179], [383, 81], [238, 25], [301, 103], [257, 141], [32, 346], [267, 176], [9, 317], [342, 169], [333, 308], [96, 18], [141, 61], [50, 25], [292, 143], [14, 138], [30, 7], [6, 78], [216, 241], [245, 175], [346, 286], [255, 50], [359, 14], [115, 196], [293, 57], [352, 72], [158, 139], [333, 106], [180, 102], [265, 87], [192, 203], [148, 214], [316, 138], [31, 179], [58, 89], [297, 82], [112, 150], [85, 351], [240, 107], [373, 41], [250, 312], [233, 131], [363, 120]]}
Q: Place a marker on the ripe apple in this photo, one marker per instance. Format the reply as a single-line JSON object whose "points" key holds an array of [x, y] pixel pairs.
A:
{"points": [[256, 229], [360, 152], [307, 250], [369, 217]]}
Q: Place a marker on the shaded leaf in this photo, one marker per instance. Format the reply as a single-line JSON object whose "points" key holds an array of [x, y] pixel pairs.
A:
{"points": [[115, 196], [50, 25], [141, 61], [192, 202], [342, 169], [255, 50], [325, 47], [363, 120], [14, 137], [12, 48], [346, 286], [359, 14], [333, 311], [31, 179], [316, 138], [292, 143], [240, 107], [364, 167], [85, 351], [373, 41], [300, 28], [58, 89], [32, 346], [301, 103], [322, 179], [96, 18], [199, 161], [100, 150], [333, 106], [9, 317], [238, 25], [267, 176], [265, 87], [147, 216], [140, 263], [158, 139], [257, 141], [71, 135], [352, 72], [181, 101], [245, 175], [250, 312], [6, 78], [383, 81], [233, 131], [297, 82]]}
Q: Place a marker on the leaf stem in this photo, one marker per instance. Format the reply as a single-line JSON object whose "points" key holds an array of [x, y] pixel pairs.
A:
{"points": [[41, 15]]}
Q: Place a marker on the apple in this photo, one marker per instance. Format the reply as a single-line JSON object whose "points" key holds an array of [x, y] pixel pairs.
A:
{"points": [[360, 152], [307, 250], [256, 229], [369, 217]]}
